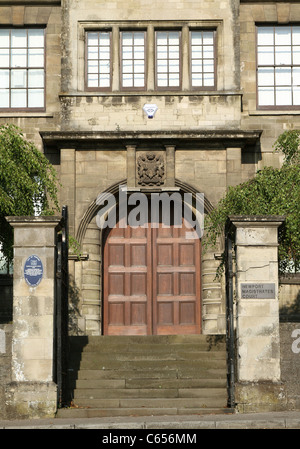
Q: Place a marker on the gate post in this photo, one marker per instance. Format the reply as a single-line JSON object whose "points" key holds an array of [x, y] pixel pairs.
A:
{"points": [[32, 392], [258, 385]]}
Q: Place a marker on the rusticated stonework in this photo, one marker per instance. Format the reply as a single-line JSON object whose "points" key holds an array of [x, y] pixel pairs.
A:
{"points": [[150, 169]]}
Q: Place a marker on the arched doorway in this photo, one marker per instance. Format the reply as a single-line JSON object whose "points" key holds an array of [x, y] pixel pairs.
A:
{"points": [[151, 280]]}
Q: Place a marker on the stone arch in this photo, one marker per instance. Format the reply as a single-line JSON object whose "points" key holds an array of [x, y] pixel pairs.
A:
{"points": [[90, 236]]}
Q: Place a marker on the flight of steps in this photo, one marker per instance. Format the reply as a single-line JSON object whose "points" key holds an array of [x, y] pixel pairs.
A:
{"points": [[147, 375]]}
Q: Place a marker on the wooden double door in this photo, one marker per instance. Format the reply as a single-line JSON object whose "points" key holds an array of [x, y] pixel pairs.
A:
{"points": [[151, 281]]}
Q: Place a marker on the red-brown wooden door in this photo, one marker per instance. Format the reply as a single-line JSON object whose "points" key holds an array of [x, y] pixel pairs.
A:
{"points": [[151, 282]]}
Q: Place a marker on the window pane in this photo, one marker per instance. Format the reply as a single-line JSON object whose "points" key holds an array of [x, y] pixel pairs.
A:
{"points": [[208, 79], [196, 37], [196, 52], [283, 96], [127, 66], [208, 66], [174, 52], [296, 96], [36, 57], [174, 80], [4, 57], [174, 38], [127, 53], [139, 38], [104, 39], [266, 96], [18, 78], [19, 57], [93, 53], [127, 38], [104, 67], [283, 76], [127, 80], [104, 53], [35, 98], [35, 38], [18, 98], [139, 80], [4, 98], [93, 66], [208, 37], [162, 53], [139, 66], [92, 80], [104, 80], [18, 38], [283, 55], [265, 56], [296, 35], [282, 35], [4, 38], [296, 55], [139, 53], [162, 38], [265, 36], [35, 78], [162, 80], [162, 66], [174, 66], [197, 79], [4, 79], [92, 39], [296, 76], [208, 52], [265, 76]]}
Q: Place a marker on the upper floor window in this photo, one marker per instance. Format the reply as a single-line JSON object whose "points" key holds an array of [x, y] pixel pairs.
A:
{"points": [[202, 59], [133, 64], [22, 68], [278, 67], [168, 59], [141, 59], [99, 60]]}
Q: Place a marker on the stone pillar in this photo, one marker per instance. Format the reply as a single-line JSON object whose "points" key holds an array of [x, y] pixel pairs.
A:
{"points": [[33, 392], [258, 385]]}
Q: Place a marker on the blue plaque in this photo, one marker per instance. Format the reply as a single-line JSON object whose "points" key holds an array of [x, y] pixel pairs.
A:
{"points": [[33, 271]]}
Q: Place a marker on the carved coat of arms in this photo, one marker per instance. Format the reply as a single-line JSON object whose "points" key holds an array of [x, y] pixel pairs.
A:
{"points": [[150, 168]]}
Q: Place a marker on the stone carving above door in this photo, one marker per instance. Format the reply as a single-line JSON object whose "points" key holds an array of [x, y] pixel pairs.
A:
{"points": [[150, 169]]}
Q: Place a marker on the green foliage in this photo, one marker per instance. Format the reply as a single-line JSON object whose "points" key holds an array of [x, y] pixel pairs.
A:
{"points": [[27, 182], [271, 192], [289, 144]]}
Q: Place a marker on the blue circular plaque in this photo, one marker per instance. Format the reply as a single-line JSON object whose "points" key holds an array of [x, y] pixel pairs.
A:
{"points": [[33, 271]]}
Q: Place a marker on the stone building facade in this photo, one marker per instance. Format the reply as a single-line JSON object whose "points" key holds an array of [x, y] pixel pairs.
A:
{"points": [[219, 77]]}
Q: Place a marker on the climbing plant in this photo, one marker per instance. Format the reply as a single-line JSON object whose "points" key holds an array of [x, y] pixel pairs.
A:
{"points": [[273, 191], [28, 182]]}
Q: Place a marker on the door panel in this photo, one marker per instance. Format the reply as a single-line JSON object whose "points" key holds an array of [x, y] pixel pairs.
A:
{"points": [[151, 282]]}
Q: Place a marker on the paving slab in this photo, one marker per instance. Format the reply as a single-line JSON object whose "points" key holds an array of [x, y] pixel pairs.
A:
{"points": [[274, 420]]}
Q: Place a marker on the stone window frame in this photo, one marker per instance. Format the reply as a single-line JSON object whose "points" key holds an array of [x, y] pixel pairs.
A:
{"points": [[26, 68], [150, 28], [275, 107]]}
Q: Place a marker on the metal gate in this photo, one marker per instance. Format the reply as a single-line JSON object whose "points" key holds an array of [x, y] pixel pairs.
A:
{"points": [[230, 332], [61, 311]]}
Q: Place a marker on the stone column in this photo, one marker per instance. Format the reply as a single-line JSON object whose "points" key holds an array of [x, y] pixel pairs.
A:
{"points": [[257, 313], [33, 392]]}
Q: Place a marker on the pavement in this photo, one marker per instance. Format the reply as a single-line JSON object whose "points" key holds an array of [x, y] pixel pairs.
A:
{"points": [[273, 420]]}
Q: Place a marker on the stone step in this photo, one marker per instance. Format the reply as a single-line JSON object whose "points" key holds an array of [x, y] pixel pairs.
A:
{"points": [[185, 373], [148, 348], [210, 341], [153, 365], [111, 412], [133, 383], [187, 403], [164, 355], [151, 393]]}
